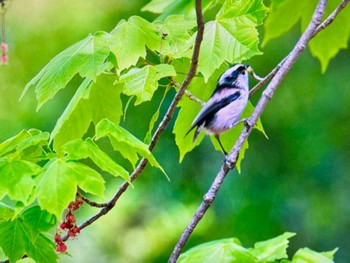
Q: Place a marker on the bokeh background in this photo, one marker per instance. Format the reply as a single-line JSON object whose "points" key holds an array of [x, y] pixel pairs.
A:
{"points": [[297, 180]]}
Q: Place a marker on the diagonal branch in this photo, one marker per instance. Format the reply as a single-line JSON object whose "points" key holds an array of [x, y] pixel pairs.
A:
{"points": [[322, 26], [164, 123], [232, 157]]}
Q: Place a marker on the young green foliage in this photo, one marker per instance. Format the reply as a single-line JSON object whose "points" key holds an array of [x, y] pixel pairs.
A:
{"points": [[79, 149], [272, 250], [143, 82], [232, 36], [327, 44], [59, 181], [85, 57], [23, 235], [126, 143]]}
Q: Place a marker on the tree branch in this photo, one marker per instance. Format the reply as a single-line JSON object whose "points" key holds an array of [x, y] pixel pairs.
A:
{"points": [[322, 26], [232, 157], [164, 123]]}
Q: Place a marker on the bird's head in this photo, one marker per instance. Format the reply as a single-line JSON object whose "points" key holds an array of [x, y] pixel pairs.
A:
{"points": [[235, 76]]}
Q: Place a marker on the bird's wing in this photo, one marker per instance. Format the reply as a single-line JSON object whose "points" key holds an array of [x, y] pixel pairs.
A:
{"points": [[213, 107]]}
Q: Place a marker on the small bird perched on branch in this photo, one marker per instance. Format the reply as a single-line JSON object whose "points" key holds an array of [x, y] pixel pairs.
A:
{"points": [[226, 104]]}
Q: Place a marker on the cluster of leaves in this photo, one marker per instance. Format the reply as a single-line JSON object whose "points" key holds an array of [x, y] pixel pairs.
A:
{"points": [[134, 59], [272, 250]]}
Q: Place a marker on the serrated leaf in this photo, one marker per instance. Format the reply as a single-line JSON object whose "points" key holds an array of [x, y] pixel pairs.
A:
{"points": [[176, 35], [154, 118], [121, 138], [305, 255], [79, 149], [23, 235], [327, 44], [232, 37], [275, 26], [59, 181], [272, 249], [16, 178], [143, 82], [91, 103], [130, 39], [224, 250], [10, 144], [85, 57], [37, 138], [40, 221], [13, 240]]}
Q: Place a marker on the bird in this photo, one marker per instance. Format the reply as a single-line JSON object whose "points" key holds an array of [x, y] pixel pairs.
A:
{"points": [[226, 104]]}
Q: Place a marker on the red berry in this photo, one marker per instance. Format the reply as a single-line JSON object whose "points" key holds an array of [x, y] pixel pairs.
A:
{"points": [[61, 247], [70, 218], [71, 206], [66, 225], [71, 233], [76, 230], [63, 225], [58, 238]]}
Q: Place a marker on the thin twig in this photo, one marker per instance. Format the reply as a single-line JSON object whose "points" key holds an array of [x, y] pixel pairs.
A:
{"points": [[92, 203], [322, 26], [187, 93], [164, 123], [232, 157], [331, 17]]}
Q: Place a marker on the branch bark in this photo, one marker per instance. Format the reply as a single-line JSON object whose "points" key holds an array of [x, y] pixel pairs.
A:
{"points": [[278, 75], [164, 123]]}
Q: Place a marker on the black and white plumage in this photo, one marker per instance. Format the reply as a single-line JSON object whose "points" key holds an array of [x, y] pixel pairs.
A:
{"points": [[226, 105]]}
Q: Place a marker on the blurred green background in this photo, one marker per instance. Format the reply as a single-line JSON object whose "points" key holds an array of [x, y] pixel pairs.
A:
{"points": [[297, 180]]}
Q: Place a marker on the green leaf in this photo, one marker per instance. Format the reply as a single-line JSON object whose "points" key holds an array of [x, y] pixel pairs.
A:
{"points": [[232, 37], [275, 26], [224, 250], [176, 35], [326, 44], [272, 249], [154, 118], [59, 181], [305, 255], [37, 138], [85, 57], [157, 6], [79, 149], [90, 103], [124, 142], [39, 220], [13, 240], [130, 39], [10, 144], [143, 82], [167, 8], [23, 235], [16, 179], [6, 212]]}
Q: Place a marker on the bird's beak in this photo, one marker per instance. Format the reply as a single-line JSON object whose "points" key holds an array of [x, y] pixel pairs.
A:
{"points": [[250, 69]]}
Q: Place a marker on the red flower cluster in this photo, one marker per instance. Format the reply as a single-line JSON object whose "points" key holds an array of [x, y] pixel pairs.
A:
{"points": [[69, 224]]}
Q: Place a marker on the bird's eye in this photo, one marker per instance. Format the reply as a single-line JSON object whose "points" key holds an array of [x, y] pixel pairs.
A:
{"points": [[243, 72]]}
